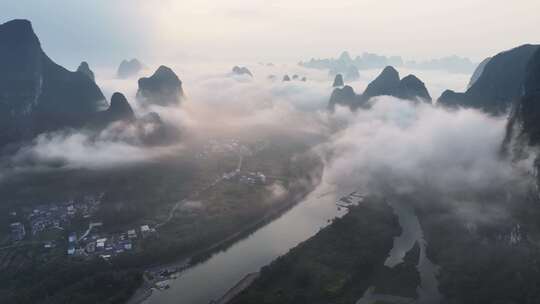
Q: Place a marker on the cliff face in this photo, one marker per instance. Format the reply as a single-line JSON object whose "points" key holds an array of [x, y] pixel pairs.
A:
{"points": [[36, 94], [500, 83], [478, 72], [523, 128]]}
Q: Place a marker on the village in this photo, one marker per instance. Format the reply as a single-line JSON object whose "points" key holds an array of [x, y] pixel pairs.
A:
{"points": [[53, 216], [95, 243], [52, 226]]}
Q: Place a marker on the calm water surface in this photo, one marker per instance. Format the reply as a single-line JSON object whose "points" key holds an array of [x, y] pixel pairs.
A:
{"points": [[210, 280], [428, 291]]}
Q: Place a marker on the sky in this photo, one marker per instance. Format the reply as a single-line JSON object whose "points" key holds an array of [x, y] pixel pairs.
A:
{"points": [[105, 32]]}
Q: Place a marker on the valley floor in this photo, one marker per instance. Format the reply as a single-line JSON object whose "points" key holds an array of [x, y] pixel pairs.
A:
{"points": [[193, 204]]}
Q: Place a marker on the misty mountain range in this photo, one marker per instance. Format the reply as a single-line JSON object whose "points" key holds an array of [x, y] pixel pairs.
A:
{"points": [[496, 84], [345, 63], [500, 82], [387, 83], [38, 95]]}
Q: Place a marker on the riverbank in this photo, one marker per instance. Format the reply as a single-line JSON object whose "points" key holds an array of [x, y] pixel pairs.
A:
{"points": [[345, 202], [335, 265], [151, 277]]}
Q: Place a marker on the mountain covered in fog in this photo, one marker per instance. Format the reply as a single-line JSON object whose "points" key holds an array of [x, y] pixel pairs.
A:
{"points": [[500, 83], [36, 94], [119, 110], [129, 68], [387, 83], [338, 81], [345, 61], [345, 96], [236, 70], [346, 64], [163, 88], [147, 129], [452, 64], [350, 72]]}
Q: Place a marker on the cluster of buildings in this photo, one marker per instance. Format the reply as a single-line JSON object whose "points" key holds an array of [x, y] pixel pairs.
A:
{"points": [[253, 178], [250, 178], [93, 242], [53, 216], [58, 216]]}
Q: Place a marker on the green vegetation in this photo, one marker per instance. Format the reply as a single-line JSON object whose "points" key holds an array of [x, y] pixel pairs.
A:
{"points": [[485, 263], [335, 266], [63, 280], [402, 279], [144, 194]]}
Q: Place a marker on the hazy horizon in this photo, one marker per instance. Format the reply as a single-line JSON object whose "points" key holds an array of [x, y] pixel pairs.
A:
{"points": [[281, 31]]}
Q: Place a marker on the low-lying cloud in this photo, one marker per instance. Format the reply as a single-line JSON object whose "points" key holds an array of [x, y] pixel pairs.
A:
{"points": [[114, 146], [410, 141], [405, 148], [214, 101]]}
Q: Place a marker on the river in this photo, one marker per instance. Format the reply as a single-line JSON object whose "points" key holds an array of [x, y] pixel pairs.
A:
{"points": [[411, 232], [211, 279], [428, 291]]}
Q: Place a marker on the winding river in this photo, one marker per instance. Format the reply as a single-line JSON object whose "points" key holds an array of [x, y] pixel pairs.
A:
{"points": [[211, 279], [428, 291]]}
